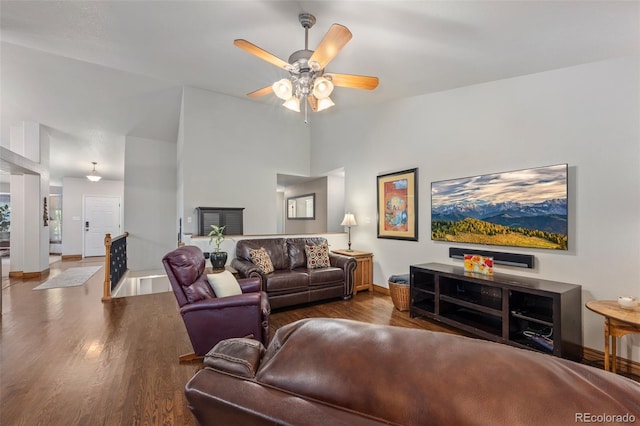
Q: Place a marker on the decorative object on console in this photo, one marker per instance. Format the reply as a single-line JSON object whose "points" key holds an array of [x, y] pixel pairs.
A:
{"points": [[349, 221], [94, 177], [478, 264], [307, 77], [398, 205], [524, 208]]}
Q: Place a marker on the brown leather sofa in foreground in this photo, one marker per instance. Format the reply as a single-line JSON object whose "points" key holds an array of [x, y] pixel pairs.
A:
{"points": [[342, 372]]}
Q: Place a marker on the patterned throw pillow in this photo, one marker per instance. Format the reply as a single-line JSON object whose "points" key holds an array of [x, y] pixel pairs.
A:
{"points": [[317, 256], [261, 258]]}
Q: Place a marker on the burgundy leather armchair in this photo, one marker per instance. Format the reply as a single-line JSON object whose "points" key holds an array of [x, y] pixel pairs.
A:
{"points": [[210, 319]]}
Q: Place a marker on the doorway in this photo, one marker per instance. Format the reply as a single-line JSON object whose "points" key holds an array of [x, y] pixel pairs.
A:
{"points": [[101, 216]]}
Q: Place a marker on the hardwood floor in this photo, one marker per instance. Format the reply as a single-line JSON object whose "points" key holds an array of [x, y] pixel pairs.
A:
{"points": [[68, 359]]}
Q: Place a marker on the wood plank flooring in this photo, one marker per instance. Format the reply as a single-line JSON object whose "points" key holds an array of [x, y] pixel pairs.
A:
{"points": [[68, 359]]}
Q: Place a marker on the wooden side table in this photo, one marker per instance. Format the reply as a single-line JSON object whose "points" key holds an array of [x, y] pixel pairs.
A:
{"points": [[617, 323], [363, 275]]}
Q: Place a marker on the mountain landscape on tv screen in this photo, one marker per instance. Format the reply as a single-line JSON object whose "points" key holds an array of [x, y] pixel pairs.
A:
{"points": [[523, 208], [538, 225], [550, 215]]}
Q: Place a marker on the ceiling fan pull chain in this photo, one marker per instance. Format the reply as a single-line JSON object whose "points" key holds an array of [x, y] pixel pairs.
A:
{"points": [[306, 112]]}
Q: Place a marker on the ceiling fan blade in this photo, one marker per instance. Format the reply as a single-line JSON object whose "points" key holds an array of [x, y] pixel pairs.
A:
{"points": [[260, 92], [260, 53], [313, 103], [353, 81], [334, 40]]}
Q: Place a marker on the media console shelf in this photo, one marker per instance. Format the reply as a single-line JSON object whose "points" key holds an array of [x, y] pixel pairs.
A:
{"points": [[504, 308]]}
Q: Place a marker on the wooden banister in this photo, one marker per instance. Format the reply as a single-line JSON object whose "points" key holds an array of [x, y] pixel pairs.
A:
{"points": [[108, 242]]}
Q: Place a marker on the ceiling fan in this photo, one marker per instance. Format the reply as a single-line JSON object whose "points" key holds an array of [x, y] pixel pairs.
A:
{"points": [[307, 76]]}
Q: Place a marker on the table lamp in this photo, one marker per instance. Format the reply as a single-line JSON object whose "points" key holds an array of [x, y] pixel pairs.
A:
{"points": [[349, 221]]}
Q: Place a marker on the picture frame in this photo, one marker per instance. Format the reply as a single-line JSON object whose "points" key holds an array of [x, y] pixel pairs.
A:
{"points": [[302, 207], [398, 205]]}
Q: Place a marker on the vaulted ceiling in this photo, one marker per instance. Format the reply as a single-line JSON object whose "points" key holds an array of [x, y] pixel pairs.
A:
{"points": [[96, 71]]}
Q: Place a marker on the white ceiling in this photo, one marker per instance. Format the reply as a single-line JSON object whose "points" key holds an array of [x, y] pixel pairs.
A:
{"points": [[96, 71]]}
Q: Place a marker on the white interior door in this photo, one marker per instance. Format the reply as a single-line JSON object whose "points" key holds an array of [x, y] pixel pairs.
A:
{"points": [[101, 216]]}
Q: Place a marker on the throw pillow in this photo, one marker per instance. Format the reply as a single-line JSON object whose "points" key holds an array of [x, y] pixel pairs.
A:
{"points": [[224, 284], [261, 258], [317, 256]]}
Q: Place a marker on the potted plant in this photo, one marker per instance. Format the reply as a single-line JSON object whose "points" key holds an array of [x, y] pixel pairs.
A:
{"points": [[5, 222], [218, 258]]}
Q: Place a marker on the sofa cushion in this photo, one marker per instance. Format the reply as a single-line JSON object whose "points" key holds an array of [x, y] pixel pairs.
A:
{"points": [[317, 256], [321, 276], [295, 248], [287, 280], [276, 247], [224, 284], [261, 258]]}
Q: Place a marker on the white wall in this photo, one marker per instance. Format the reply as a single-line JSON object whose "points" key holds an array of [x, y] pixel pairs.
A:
{"points": [[317, 187], [150, 197], [335, 203], [586, 116], [73, 192], [230, 153]]}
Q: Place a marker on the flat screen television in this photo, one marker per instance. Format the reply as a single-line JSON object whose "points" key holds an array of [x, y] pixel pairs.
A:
{"points": [[522, 208]]}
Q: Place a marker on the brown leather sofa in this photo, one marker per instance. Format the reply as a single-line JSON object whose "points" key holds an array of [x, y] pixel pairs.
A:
{"points": [[292, 283], [341, 372]]}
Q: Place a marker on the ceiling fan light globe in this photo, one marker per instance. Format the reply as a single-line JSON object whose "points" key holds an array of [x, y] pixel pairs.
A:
{"points": [[293, 103], [283, 89], [322, 88], [325, 103]]}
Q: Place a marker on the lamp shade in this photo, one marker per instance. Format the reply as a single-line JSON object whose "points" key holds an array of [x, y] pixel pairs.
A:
{"points": [[293, 103], [322, 88], [325, 103], [349, 220], [94, 177], [283, 88]]}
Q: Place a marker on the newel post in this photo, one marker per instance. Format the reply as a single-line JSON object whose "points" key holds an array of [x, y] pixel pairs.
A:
{"points": [[106, 292]]}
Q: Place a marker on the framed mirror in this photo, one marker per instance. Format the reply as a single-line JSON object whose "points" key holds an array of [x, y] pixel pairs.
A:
{"points": [[302, 207]]}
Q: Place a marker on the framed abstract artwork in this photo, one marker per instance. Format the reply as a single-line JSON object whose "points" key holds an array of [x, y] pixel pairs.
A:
{"points": [[398, 205]]}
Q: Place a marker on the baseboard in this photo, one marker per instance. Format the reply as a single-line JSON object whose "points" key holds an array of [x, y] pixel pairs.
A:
{"points": [[71, 257], [28, 275], [623, 365], [379, 289]]}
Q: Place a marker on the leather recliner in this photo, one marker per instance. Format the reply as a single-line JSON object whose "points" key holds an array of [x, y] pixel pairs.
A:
{"points": [[210, 319]]}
